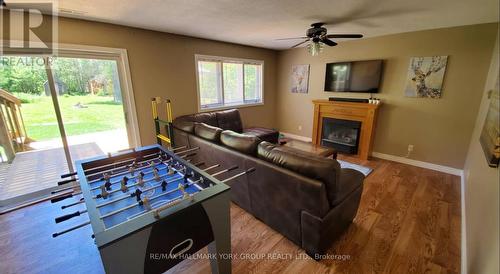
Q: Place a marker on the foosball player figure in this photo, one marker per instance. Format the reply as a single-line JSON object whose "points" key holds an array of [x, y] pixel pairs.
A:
{"points": [[107, 185], [171, 171], [137, 194], [156, 175], [123, 182], [104, 193], [163, 157], [145, 203], [151, 164], [163, 185], [185, 195], [140, 179], [106, 177], [131, 170]]}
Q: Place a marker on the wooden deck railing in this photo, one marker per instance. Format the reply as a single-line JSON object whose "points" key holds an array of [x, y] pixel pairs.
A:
{"points": [[13, 136]]}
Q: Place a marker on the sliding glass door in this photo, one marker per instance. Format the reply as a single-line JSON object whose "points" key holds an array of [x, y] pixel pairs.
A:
{"points": [[55, 110]]}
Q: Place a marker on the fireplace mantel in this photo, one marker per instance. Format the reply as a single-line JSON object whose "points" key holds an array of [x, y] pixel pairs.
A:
{"points": [[364, 112]]}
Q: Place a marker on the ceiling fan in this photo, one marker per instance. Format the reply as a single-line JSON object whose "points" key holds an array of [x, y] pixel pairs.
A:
{"points": [[318, 36]]}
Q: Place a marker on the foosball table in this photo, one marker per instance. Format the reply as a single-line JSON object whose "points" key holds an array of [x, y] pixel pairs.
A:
{"points": [[151, 207]]}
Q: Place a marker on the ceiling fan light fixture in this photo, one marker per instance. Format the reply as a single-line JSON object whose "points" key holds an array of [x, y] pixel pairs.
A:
{"points": [[315, 48]]}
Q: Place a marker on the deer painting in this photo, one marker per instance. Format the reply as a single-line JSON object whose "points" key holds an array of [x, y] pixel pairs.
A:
{"points": [[426, 75]]}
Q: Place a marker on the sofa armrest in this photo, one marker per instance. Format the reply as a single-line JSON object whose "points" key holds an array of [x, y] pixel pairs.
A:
{"points": [[319, 233], [349, 180]]}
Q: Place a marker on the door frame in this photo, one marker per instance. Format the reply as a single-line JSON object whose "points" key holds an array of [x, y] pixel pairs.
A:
{"points": [[120, 55]]}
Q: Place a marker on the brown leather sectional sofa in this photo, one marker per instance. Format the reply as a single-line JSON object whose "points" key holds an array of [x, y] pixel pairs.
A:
{"points": [[308, 199]]}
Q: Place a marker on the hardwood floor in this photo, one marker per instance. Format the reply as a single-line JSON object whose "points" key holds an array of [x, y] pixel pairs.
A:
{"points": [[408, 222]]}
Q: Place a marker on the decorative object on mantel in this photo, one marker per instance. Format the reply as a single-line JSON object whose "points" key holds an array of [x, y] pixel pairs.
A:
{"points": [[490, 135], [425, 76], [357, 120], [300, 78], [318, 37]]}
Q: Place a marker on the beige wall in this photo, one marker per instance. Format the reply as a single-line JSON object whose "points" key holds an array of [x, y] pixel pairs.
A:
{"points": [[162, 64], [439, 129], [482, 193]]}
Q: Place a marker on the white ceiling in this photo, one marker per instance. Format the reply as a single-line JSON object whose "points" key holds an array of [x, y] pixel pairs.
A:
{"points": [[260, 22]]}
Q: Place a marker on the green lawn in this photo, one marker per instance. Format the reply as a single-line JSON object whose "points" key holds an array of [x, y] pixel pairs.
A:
{"points": [[101, 114]]}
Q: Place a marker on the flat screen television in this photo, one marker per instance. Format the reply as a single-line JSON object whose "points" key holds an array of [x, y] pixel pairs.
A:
{"points": [[356, 76]]}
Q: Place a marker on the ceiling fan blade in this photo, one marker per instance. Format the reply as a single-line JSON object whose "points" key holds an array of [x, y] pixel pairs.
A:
{"points": [[328, 42], [344, 35], [294, 38], [294, 46]]}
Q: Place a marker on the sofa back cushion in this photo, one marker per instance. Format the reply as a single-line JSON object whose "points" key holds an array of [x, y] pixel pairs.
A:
{"points": [[230, 120], [207, 132], [307, 164], [184, 123], [246, 144]]}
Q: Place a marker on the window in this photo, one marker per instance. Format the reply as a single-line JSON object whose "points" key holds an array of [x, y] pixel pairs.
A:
{"points": [[226, 82]]}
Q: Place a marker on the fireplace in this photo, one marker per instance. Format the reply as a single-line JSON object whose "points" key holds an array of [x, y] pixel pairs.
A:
{"points": [[343, 135]]}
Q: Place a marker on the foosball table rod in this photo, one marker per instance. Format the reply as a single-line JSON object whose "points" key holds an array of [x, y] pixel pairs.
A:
{"points": [[188, 155], [224, 171], [74, 186], [177, 148], [118, 162], [135, 184], [171, 191], [81, 201], [64, 197], [150, 199], [132, 177], [68, 175], [135, 170], [150, 188], [67, 181], [69, 216], [187, 150], [70, 229], [143, 166], [130, 195], [250, 170]]}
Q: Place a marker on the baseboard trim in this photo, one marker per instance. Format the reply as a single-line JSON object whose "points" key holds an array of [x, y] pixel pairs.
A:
{"points": [[463, 243], [404, 160], [297, 137], [399, 159]]}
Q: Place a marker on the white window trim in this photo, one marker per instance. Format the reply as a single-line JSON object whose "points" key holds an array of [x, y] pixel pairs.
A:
{"points": [[118, 54], [200, 57]]}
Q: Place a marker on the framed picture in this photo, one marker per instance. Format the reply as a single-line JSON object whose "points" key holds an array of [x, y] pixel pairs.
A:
{"points": [[300, 79], [425, 76], [490, 135]]}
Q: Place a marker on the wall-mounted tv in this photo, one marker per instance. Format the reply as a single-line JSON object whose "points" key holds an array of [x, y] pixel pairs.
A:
{"points": [[356, 76]]}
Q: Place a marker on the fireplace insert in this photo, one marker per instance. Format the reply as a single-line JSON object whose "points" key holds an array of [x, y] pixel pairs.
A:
{"points": [[343, 135]]}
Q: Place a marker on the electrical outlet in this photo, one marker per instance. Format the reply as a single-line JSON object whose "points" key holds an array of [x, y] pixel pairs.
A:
{"points": [[410, 148], [299, 127]]}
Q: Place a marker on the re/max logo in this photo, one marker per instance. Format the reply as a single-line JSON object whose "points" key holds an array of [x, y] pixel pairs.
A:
{"points": [[24, 25]]}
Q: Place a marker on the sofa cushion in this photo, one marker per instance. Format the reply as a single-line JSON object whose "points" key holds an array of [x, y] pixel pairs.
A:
{"points": [[207, 132], [209, 118], [184, 123], [265, 134], [307, 164], [230, 120], [246, 144]]}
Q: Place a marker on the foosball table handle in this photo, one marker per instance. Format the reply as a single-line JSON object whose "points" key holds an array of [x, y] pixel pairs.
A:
{"points": [[67, 217], [60, 198], [63, 182], [68, 175]]}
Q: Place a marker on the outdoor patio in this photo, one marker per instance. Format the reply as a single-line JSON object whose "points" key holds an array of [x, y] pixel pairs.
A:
{"points": [[35, 173]]}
